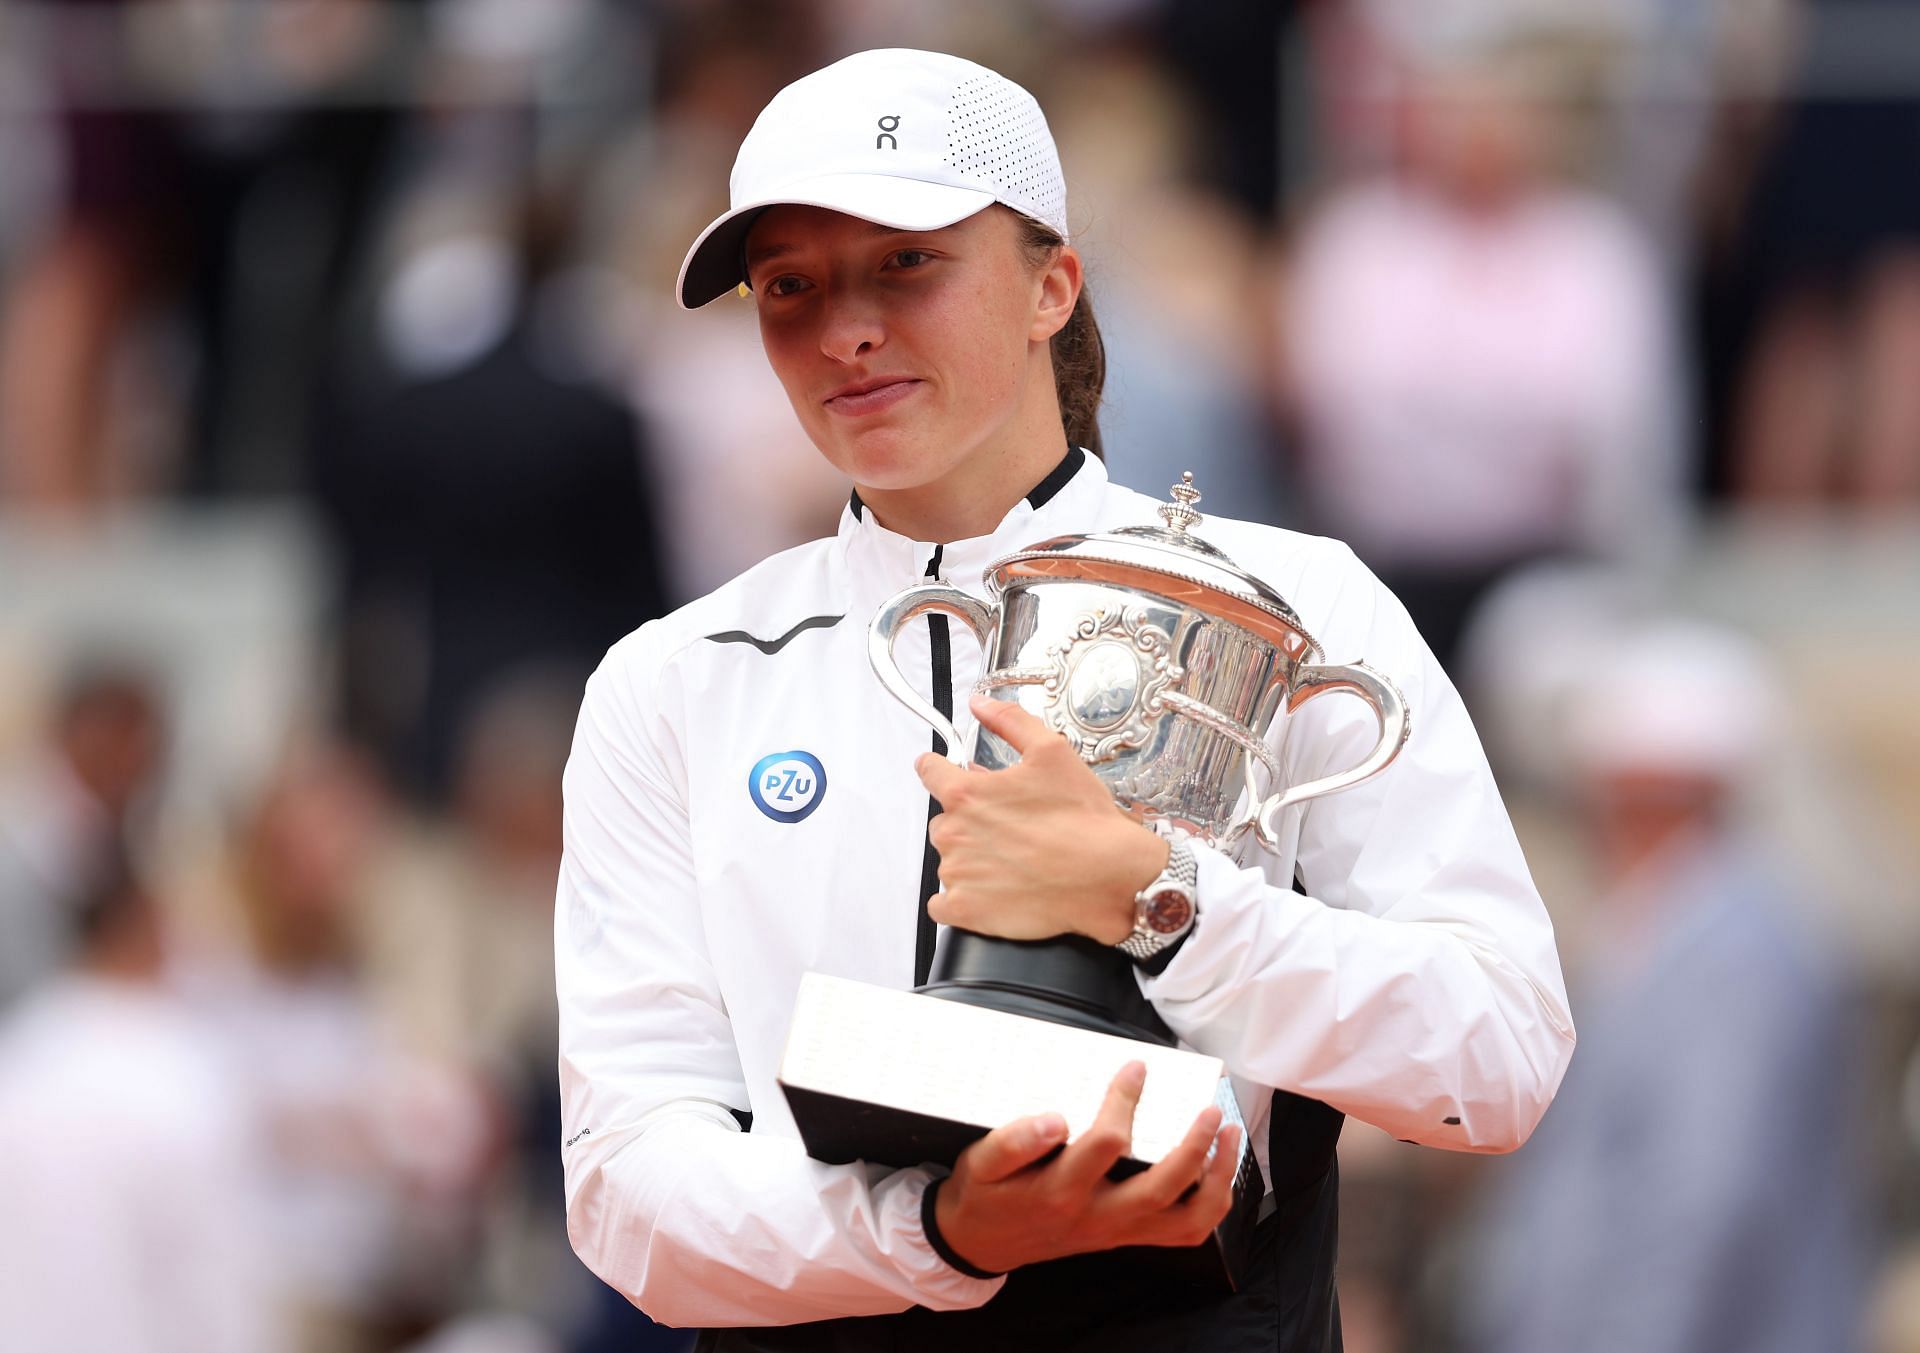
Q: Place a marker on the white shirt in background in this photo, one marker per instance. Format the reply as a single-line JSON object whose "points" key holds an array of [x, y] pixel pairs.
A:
{"points": [[129, 1218]]}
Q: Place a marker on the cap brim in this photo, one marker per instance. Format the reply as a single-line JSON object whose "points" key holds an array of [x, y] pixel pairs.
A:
{"points": [[716, 264]]}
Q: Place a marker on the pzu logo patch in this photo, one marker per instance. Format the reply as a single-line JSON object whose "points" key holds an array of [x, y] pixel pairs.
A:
{"points": [[786, 786]]}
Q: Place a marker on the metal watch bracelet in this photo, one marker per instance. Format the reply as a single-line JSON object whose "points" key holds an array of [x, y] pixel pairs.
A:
{"points": [[1144, 943]]}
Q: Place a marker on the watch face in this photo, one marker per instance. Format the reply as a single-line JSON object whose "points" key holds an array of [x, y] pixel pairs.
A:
{"points": [[1168, 912]]}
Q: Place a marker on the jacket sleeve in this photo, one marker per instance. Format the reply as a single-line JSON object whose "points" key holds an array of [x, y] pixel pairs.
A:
{"points": [[1415, 985], [695, 1220]]}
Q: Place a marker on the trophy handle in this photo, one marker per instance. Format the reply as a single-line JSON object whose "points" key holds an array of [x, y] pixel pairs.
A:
{"points": [[899, 609], [1388, 706]]}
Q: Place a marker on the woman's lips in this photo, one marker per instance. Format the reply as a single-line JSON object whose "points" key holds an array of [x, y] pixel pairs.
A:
{"points": [[873, 400]]}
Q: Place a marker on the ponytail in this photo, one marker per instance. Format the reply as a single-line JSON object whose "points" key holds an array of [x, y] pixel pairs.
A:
{"points": [[1079, 354]]}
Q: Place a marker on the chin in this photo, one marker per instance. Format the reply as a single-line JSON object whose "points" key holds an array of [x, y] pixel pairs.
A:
{"points": [[888, 463]]}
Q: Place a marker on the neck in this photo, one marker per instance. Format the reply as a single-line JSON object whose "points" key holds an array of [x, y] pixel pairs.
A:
{"points": [[959, 513]]}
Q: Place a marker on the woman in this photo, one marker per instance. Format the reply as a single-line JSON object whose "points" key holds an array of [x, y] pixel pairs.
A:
{"points": [[899, 219]]}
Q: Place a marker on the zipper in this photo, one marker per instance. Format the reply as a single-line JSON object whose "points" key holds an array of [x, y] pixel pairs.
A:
{"points": [[940, 647]]}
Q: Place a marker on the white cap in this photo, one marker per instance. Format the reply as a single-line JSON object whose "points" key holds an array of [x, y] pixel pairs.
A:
{"points": [[913, 140], [1681, 697]]}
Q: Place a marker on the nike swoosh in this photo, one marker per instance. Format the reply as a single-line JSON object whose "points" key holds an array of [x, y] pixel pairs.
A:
{"points": [[773, 646]]}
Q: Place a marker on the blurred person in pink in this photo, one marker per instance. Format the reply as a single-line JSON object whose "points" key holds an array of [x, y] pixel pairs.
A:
{"points": [[130, 1217], [1479, 354], [1696, 1192]]}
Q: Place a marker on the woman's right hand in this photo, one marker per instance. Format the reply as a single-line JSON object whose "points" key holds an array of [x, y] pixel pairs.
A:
{"points": [[1006, 1204]]}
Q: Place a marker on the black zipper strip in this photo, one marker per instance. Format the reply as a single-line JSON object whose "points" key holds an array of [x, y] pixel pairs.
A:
{"points": [[941, 646]]}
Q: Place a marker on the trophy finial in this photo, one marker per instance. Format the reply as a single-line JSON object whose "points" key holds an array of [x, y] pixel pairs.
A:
{"points": [[1180, 513]]}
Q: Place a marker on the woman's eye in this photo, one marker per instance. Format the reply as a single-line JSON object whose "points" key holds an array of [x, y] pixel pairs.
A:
{"points": [[910, 258], [785, 285]]}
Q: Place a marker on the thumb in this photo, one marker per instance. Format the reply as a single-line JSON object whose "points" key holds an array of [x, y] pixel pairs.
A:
{"points": [[1008, 1150], [939, 775]]}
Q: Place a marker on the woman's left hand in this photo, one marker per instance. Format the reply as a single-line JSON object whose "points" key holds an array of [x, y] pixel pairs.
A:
{"points": [[1037, 849]]}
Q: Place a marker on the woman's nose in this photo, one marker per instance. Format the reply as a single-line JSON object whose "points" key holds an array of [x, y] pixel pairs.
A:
{"points": [[851, 328]]}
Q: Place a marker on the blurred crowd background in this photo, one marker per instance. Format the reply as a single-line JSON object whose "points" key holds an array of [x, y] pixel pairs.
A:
{"points": [[346, 418]]}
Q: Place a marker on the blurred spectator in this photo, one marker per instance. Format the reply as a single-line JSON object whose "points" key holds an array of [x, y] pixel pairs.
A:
{"points": [[1637, 87], [736, 477], [129, 1186], [61, 805], [1480, 354], [205, 173], [460, 944], [1229, 55], [1694, 1188], [1816, 306], [459, 939], [493, 512], [375, 1152], [1183, 349]]}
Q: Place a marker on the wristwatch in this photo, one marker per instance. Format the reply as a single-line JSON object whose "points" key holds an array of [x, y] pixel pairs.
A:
{"points": [[1164, 910]]}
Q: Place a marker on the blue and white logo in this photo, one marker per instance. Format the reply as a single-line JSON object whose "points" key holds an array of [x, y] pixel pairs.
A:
{"points": [[786, 786]]}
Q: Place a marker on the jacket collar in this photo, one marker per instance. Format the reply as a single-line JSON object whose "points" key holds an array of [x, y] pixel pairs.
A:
{"points": [[882, 561]]}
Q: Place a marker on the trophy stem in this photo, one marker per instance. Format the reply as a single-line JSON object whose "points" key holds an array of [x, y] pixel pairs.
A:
{"points": [[1068, 980]]}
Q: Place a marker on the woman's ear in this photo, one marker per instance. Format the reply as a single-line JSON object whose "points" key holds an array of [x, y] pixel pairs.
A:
{"points": [[1059, 293]]}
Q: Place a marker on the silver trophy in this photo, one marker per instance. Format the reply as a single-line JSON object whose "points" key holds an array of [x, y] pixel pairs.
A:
{"points": [[1170, 671], [1167, 668]]}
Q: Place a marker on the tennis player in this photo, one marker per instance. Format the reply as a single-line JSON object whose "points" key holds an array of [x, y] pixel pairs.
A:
{"points": [[744, 804]]}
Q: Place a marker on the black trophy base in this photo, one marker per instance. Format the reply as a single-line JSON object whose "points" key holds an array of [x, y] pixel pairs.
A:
{"points": [[839, 1130], [1067, 980], [1081, 983]]}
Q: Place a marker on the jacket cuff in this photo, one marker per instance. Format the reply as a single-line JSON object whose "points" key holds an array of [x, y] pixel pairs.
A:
{"points": [[931, 1226], [1225, 892]]}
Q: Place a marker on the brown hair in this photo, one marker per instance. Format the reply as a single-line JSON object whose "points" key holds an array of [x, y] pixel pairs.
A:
{"points": [[1079, 355]]}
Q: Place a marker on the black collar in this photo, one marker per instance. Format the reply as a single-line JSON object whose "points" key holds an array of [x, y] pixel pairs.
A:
{"points": [[1037, 497]]}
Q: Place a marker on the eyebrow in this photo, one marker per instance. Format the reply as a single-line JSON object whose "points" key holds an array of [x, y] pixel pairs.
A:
{"points": [[778, 249]]}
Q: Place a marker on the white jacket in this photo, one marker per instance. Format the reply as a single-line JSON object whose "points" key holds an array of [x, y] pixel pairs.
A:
{"points": [[1415, 987]]}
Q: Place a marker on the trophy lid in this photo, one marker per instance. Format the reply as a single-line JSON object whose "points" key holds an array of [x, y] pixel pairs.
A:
{"points": [[1169, 561]]}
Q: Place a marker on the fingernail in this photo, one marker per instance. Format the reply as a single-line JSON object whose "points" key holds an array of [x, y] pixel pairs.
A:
{"points": [[978, 702], [1050, 1128], [1135, 1072]]}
